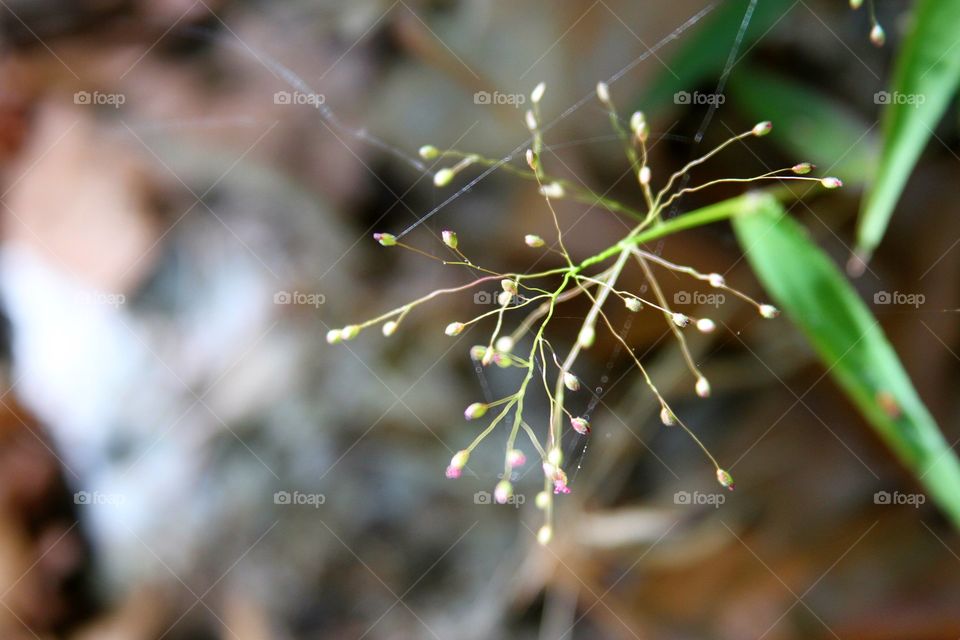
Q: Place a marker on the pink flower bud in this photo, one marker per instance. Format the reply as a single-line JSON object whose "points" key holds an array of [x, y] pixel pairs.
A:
{"points": [[802, 169], [762, 128], [716, 280], [454, 328], [386, 239], [457, 463], [580, 425], [725, 479], [831, 183], [475, 410], [516, 458]]}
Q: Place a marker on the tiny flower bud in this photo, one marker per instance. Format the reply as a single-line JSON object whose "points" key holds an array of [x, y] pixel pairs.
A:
{"points": [[389, 328], [350, 332], [586, 337], [555, 458], [334, 336], [429, 152], [504, 344], [502, 361], [386, 239], [571, 381], [457, 463], [856, 4], [560, 485], [706, 325], [516, 458], [488, 356], [542, 500], [544, 535], [531, 159], [475, 410], [508, 285], [450, 238], [537, 94], [762, 128], [877, 35], [769, 311], [633, 304], [716, 280], [638, 122], [831, 183], [725, 479], [802, 169], [580, 425], [533, 241], [503, 492], [553, 190], [531, 120], [477, 351], [667, 417], [603, 92], [504, 298], [680, 319], [443, 177], [703, 387], [454, 328], [644, 176]]}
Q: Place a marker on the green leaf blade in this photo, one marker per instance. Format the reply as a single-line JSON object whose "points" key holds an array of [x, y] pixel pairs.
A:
{"points": [[850, 342], [927, 70]]}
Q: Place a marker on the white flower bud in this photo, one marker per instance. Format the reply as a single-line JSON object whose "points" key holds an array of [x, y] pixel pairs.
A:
{"points": [[531, 120], [537, 94], [706, 325], [389, 328], [350, 332], [769, 311], [533, 241], [478, 351], [454, 328], [443, 177], [877, 35], [638, 122], [703, 387], [667, 417], [680, 319], [504, 344], [831, 183], [545, 535], [633, 304], [450, 238], [587, 337], [553, 190], [504, 298], [856, 4], [429, 152], [644, 175], [762, 128], [571, 381], [542, 500], [334, 336], [531, 159], [508, 285], [603, 92], [716, 280], [555, 457]]}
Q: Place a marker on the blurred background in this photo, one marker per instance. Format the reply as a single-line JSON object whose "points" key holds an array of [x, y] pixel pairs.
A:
{"points": [[183, 455]]}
